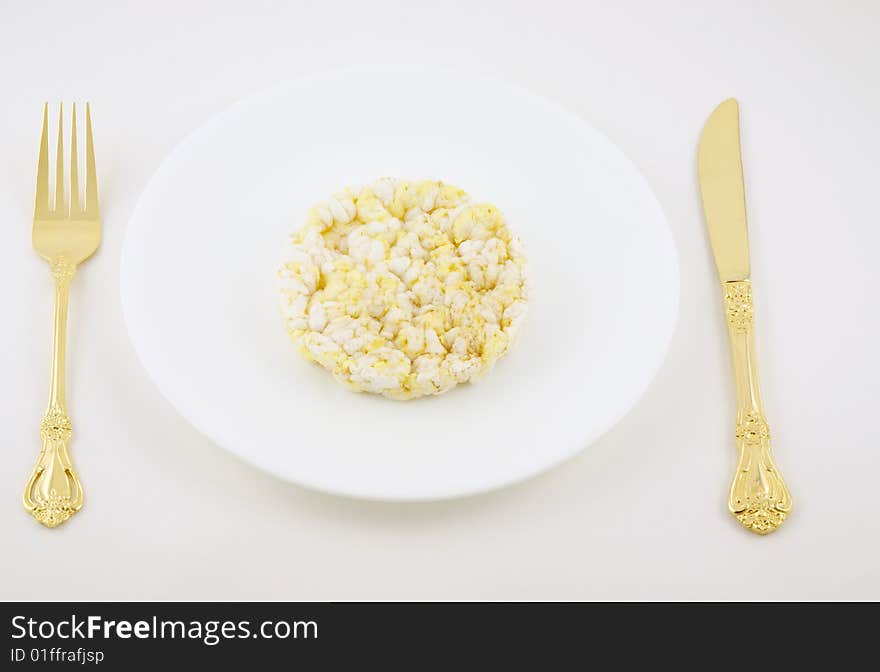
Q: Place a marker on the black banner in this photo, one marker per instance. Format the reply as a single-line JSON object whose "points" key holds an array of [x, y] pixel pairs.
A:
{"points": [[131, 635]]}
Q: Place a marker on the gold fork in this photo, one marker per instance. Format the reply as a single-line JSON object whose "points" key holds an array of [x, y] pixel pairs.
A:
{"points": [[65, 236]]}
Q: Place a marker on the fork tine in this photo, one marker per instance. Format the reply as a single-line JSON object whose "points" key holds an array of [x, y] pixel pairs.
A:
{"points": [[91, 174], [75, 203], [59, 164], [41, 200]]}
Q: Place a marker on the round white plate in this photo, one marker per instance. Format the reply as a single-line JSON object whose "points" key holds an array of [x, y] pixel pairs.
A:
{"points": [[199, 297]]}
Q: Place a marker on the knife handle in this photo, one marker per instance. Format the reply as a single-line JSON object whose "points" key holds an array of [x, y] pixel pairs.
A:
{"points": [[759, 497]]}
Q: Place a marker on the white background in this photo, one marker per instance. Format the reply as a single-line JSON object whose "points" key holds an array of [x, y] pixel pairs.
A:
{"points": [[640, 514]]}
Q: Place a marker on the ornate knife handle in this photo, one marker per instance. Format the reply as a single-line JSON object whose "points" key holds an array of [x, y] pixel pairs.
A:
{"points": [[759, 497], [53, 492]]}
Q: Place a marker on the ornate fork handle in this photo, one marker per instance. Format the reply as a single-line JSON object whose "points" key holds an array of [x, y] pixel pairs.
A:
{"points": [[53, 492], [759, 497]]}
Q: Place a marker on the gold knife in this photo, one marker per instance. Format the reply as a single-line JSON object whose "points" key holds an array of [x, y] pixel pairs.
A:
{"points": [[759, 497]]}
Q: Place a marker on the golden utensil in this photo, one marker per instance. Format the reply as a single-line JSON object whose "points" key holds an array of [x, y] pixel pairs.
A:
{"points": [[65, 236], [759, 497]]}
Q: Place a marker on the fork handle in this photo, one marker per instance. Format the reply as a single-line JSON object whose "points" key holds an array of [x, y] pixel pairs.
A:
{"points": [[53, 492], [759, 497]]}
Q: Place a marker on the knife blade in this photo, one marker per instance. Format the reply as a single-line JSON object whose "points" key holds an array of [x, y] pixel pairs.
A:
{"points": [[724, 200]]}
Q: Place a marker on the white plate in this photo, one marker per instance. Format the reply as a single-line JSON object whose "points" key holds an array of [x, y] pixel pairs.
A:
{"points": [[198, 283]]}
